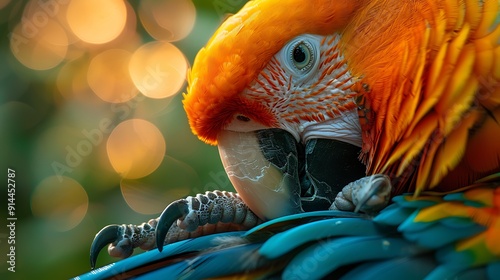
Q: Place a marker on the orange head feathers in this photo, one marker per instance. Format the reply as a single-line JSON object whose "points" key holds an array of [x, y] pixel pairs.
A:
{"points": [[241, 48]]}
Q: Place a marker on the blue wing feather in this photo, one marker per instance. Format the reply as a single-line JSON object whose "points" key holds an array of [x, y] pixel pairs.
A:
{"points": [[285, 242], [437, 235], [408, 268], [237, 259], [322, 244], [393, 215], [322, 258]]}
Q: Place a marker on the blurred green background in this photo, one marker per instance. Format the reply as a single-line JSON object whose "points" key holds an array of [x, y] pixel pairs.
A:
{"points": [[92, 121]]}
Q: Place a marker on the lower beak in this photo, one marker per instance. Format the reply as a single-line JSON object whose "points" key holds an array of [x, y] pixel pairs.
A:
{"points": [[275, 176]]}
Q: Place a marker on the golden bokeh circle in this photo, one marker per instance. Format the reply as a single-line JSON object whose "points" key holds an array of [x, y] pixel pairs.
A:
{"points": [[109, 78], [135, 148], [95, 21], [158, 69], [39, 45], [170, 20], [60, 201]]}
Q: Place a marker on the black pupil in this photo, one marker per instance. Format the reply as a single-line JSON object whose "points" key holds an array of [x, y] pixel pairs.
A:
{"points": [[298, 54]]}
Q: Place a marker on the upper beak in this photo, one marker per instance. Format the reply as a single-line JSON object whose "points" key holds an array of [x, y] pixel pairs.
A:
{"points": [[276, 176]]}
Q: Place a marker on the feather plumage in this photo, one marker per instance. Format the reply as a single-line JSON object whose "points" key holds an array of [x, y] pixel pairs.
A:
{"points": [[428, 236], [440, 86], [426, 79]]}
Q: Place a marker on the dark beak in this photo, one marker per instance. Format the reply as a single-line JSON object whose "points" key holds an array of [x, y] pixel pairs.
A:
{"points": [[277, 176]]}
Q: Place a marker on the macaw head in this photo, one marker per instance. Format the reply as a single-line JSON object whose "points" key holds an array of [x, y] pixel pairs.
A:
{"points": [[272, 89]]}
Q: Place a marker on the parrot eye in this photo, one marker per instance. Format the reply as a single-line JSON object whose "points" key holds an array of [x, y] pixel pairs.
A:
{"points": [[302, 56]]}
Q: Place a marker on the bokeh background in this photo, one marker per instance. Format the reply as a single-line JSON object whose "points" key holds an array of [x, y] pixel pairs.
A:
{"points": [[92, 122]]}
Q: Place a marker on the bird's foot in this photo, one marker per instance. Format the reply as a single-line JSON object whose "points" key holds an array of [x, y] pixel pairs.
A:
{"points": [[216, 208], [212, 212], [369, 195]]}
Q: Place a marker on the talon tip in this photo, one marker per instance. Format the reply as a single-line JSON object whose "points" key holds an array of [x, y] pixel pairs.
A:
{"points": [[105, 236], [160, 235], [174, 211]]}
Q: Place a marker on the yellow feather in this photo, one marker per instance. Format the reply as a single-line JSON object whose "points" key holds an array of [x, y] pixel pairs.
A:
{"points": [[486, 48], [417, 83], [454, 14], [435, 72], [462, 103], [482, 195], [424, 169], [489, 41], [411, 146], [411, 99], [459, 77], [440, 211], [472, 13], [461, 14], [489, 15], [438, 34], [456, 45], [433, 89], [450, 151]]}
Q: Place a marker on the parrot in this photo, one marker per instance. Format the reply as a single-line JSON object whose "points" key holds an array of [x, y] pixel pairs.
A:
{"points": [[362, 138]]}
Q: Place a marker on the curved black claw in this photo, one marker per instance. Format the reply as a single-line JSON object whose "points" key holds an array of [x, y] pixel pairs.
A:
{"points": [[174, 211], [105, 236]]}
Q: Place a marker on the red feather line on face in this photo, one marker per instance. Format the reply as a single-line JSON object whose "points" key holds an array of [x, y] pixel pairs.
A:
{"points": [[242, 47], [324, 95]]}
